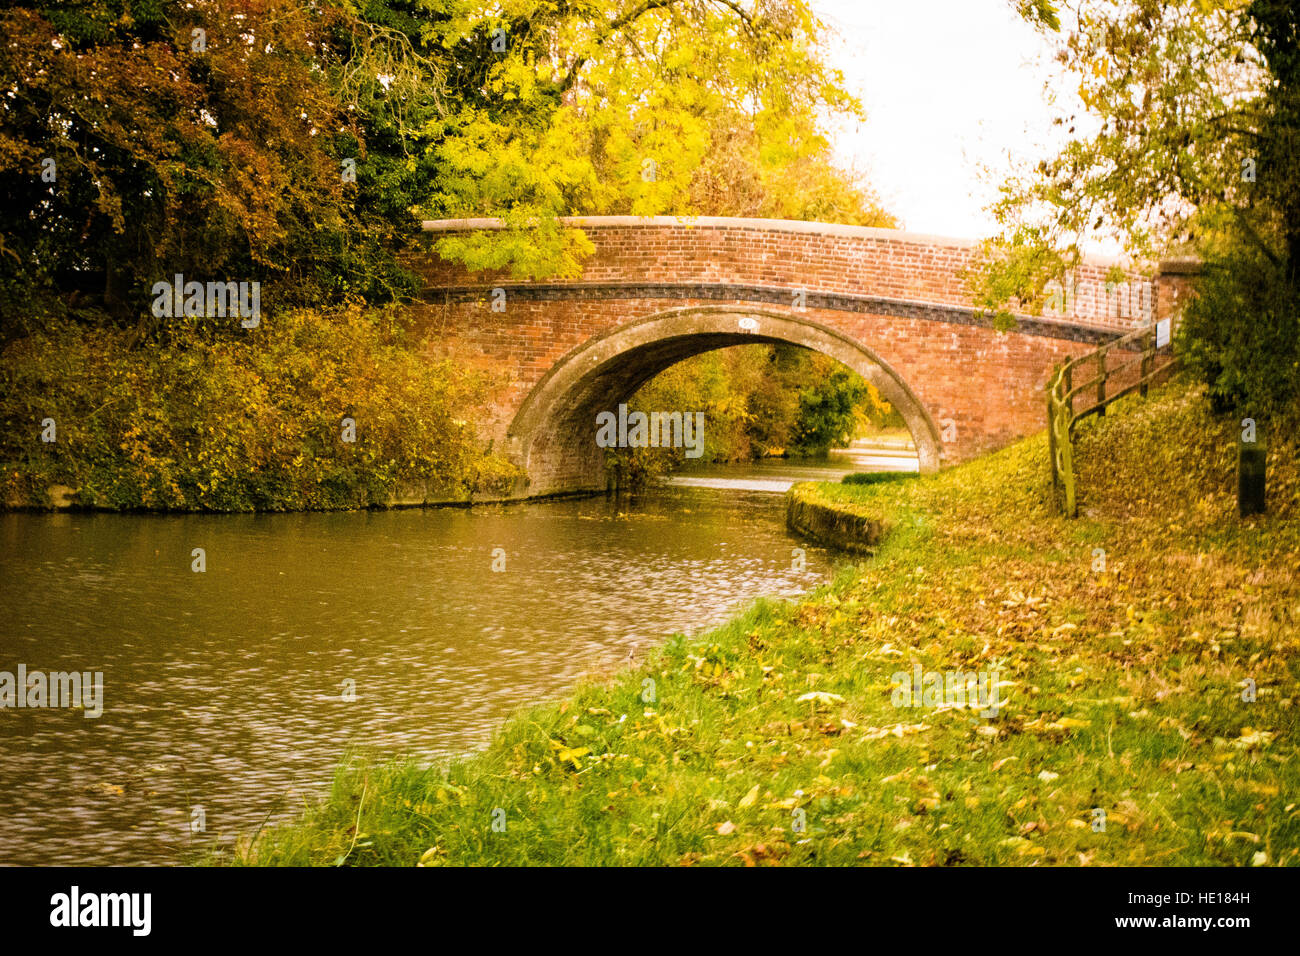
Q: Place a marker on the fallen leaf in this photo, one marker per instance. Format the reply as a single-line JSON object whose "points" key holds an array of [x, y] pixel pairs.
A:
{"points": [[821, 697]]}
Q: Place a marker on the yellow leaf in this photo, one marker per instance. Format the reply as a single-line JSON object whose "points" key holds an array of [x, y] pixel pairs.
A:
{"points": [[748, 799], [428, 855], [571, 754], [1251, 739]]}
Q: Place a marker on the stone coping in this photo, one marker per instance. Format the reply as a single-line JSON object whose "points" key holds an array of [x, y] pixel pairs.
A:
{"points": [[834, 230]]}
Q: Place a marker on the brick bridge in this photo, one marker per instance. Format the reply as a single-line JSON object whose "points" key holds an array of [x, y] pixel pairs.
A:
{"points": [[890, 305]]}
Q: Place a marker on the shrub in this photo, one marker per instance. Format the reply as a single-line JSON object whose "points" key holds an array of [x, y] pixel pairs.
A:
{"points": [[1240, 335], [255, 421]]}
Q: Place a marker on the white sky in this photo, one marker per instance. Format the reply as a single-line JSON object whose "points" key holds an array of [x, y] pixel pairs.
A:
{"points": [[948, 86]]}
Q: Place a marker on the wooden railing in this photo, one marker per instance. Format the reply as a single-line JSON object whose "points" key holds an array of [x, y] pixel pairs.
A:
{"points": [[1119, 367]]}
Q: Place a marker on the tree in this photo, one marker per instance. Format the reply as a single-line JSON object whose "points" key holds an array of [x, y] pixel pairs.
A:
{"points": [[1188, 121], [827, 412], [300, 143], [144, 139], [643, 107]]}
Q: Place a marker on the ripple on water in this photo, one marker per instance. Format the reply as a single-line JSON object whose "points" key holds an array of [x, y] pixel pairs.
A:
{"points": [[238, 690]]}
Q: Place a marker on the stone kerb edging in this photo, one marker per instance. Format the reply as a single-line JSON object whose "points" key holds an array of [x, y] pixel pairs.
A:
{"points": [[831, 526]]}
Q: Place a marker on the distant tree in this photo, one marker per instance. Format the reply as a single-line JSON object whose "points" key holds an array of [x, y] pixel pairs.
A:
{"points": [[827, 412], [761, 400], [738, 177]]}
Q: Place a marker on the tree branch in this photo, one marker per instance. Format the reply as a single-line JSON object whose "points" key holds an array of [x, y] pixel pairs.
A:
{"points": [[636, 13], [1254, 236]]}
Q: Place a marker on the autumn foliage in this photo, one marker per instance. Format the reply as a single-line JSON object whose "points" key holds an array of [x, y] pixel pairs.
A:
{"points": [[298, 145]]}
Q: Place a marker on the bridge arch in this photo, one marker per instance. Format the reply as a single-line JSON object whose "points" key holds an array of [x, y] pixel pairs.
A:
{"points": [[553, 434]]}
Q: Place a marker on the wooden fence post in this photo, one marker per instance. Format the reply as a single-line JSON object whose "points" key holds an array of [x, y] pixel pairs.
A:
{"points": [[1101, 380], [1147, 352], [1051, 436], [1067, 468], [1250, 476]]}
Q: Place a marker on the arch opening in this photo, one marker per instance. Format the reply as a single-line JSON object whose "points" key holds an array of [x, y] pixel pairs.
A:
{"points": [[553, 435]]}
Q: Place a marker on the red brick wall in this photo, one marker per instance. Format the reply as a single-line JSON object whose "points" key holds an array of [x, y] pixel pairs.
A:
{"points": [[989, 384], [876, 262]]}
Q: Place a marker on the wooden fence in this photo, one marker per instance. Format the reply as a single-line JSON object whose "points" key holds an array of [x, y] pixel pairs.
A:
{"points": [[1119, 367]]}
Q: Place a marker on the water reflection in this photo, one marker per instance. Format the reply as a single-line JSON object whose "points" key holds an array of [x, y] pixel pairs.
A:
{"points": [[777, 475]]}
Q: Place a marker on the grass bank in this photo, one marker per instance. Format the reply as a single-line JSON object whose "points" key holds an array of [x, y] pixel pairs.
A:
{"points": [[1126, 643]]}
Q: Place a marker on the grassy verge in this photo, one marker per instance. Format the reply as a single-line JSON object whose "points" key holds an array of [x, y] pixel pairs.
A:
{"points": [[1124, 639]]}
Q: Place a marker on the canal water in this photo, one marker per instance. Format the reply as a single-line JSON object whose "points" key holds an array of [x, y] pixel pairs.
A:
{"points": [[229, 696]]}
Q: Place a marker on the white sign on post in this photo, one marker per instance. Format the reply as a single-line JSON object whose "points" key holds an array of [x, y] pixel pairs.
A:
{"points": [[1162, 333]]}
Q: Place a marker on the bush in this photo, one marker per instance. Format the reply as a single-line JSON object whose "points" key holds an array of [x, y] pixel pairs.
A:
{"points": [[1240, 334], [826, 413], [762, 400], [248, 422]]}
